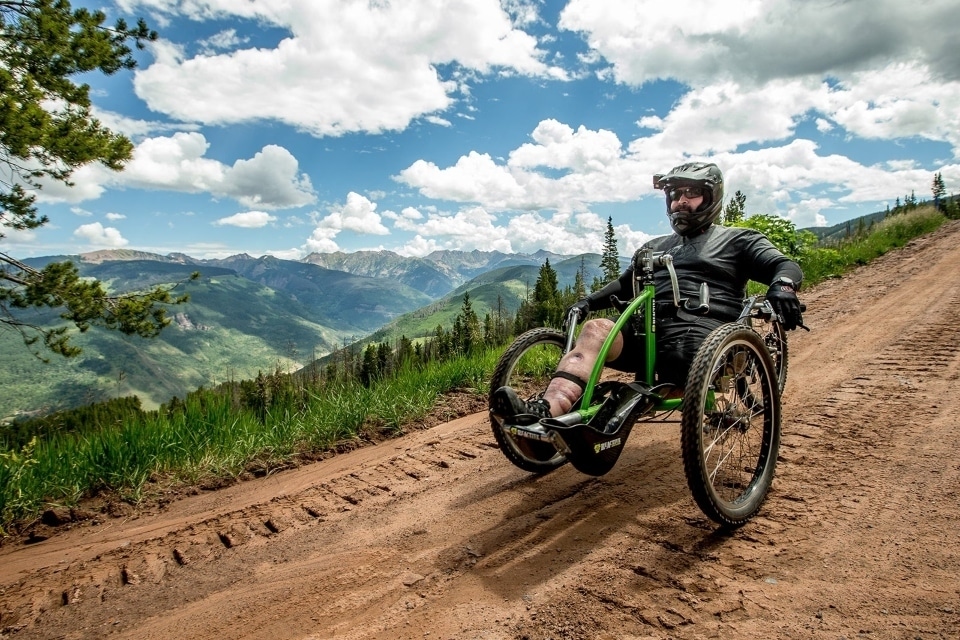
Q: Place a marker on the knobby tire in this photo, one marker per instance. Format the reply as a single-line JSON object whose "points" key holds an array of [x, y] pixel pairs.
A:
{"points": [[546, 346], [730, 450]]}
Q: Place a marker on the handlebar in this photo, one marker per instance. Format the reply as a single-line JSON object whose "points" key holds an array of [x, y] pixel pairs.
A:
{"points": [[763, 309], [659, 260]]}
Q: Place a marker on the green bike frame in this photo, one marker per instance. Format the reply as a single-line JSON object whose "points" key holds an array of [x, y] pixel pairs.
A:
{"points": [[643, 302]]}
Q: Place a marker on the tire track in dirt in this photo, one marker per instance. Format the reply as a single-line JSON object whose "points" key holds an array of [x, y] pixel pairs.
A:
{"points": [[206, 542], [877, 485]]}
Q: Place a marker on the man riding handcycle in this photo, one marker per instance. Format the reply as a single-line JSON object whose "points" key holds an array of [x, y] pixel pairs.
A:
{"points": [[692, 342]]}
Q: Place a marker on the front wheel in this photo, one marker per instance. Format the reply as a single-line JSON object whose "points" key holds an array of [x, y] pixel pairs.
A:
{"points": [[527, 366], [775, 337], [730, 425]]}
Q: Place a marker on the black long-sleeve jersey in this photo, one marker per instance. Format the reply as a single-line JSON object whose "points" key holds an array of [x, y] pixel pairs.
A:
{"points": [[723, 257]]}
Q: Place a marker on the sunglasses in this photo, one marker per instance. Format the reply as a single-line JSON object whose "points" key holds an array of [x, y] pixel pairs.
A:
{"points": [[687, 192]]}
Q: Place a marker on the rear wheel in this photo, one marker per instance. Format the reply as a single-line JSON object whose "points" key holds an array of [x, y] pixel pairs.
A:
{"points": [[730, 425], [527, 366]]}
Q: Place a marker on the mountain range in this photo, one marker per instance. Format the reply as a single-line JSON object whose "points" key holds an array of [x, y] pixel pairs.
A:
{"points": [[248, 314]]}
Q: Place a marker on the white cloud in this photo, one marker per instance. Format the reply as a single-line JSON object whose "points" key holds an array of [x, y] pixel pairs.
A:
{"points": [[176, 163], [115, 216], [752, 74], [523, 12], [807, 212], [468, 229], [758, 67], [474, 228], [347, 65], [99, 236], [437, 120], [358, 214], [407, 220], [211, 250], [322, 240], [532, 231], [247, 220], [418, 247], [20, 242], [475, 178], [268, 180], [722, 117], [87, 181], [898, 101], [285, 254], [596, 169], [755, 41], [226, 39], [792, 179], [629, 240], [134, 128], [795, 181], [569, 234], [560, 147]]}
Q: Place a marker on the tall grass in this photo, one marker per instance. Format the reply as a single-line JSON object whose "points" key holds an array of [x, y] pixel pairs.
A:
{"points": [[211, 436], [820, 263]]}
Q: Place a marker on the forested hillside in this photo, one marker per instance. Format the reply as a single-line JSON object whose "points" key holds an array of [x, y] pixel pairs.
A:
{"points": [[245, 315]]}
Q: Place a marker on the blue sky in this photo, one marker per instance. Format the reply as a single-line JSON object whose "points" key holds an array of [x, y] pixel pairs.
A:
{"points": [[285, 127]]}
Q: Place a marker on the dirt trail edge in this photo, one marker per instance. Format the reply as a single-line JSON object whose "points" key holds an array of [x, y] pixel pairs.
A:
{"points": [[436, 535]]}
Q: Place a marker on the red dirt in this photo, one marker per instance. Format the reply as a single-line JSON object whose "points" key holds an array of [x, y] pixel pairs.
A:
{"points": [[436, 535]]}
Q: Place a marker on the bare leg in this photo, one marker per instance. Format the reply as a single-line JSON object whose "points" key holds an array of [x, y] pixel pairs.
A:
{"points": [[562, 393]]}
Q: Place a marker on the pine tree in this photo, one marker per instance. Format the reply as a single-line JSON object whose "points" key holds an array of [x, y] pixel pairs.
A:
{"points": [[467, 334], [579, 286], [610, 260], [504, 322], [546, 296], [524, 319], [596, 284], [456, 335], [489, 331], [951, 208], [405, 352], [735, 209], [368, 368], [441, 344], [939, 189], [47, 131]]}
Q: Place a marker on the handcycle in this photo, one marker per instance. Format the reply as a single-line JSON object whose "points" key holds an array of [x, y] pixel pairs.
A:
{"points": [[729, 409]]}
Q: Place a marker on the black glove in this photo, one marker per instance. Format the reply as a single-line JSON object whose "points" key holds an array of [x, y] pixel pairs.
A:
{"points": [[582, 307], [783, 299]]}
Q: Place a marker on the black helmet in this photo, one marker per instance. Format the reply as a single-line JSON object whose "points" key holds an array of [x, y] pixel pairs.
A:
{"points": [[705, 175]]}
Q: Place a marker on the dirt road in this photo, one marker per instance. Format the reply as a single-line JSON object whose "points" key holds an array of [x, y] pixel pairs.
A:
{"points": [[436, 535]]}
